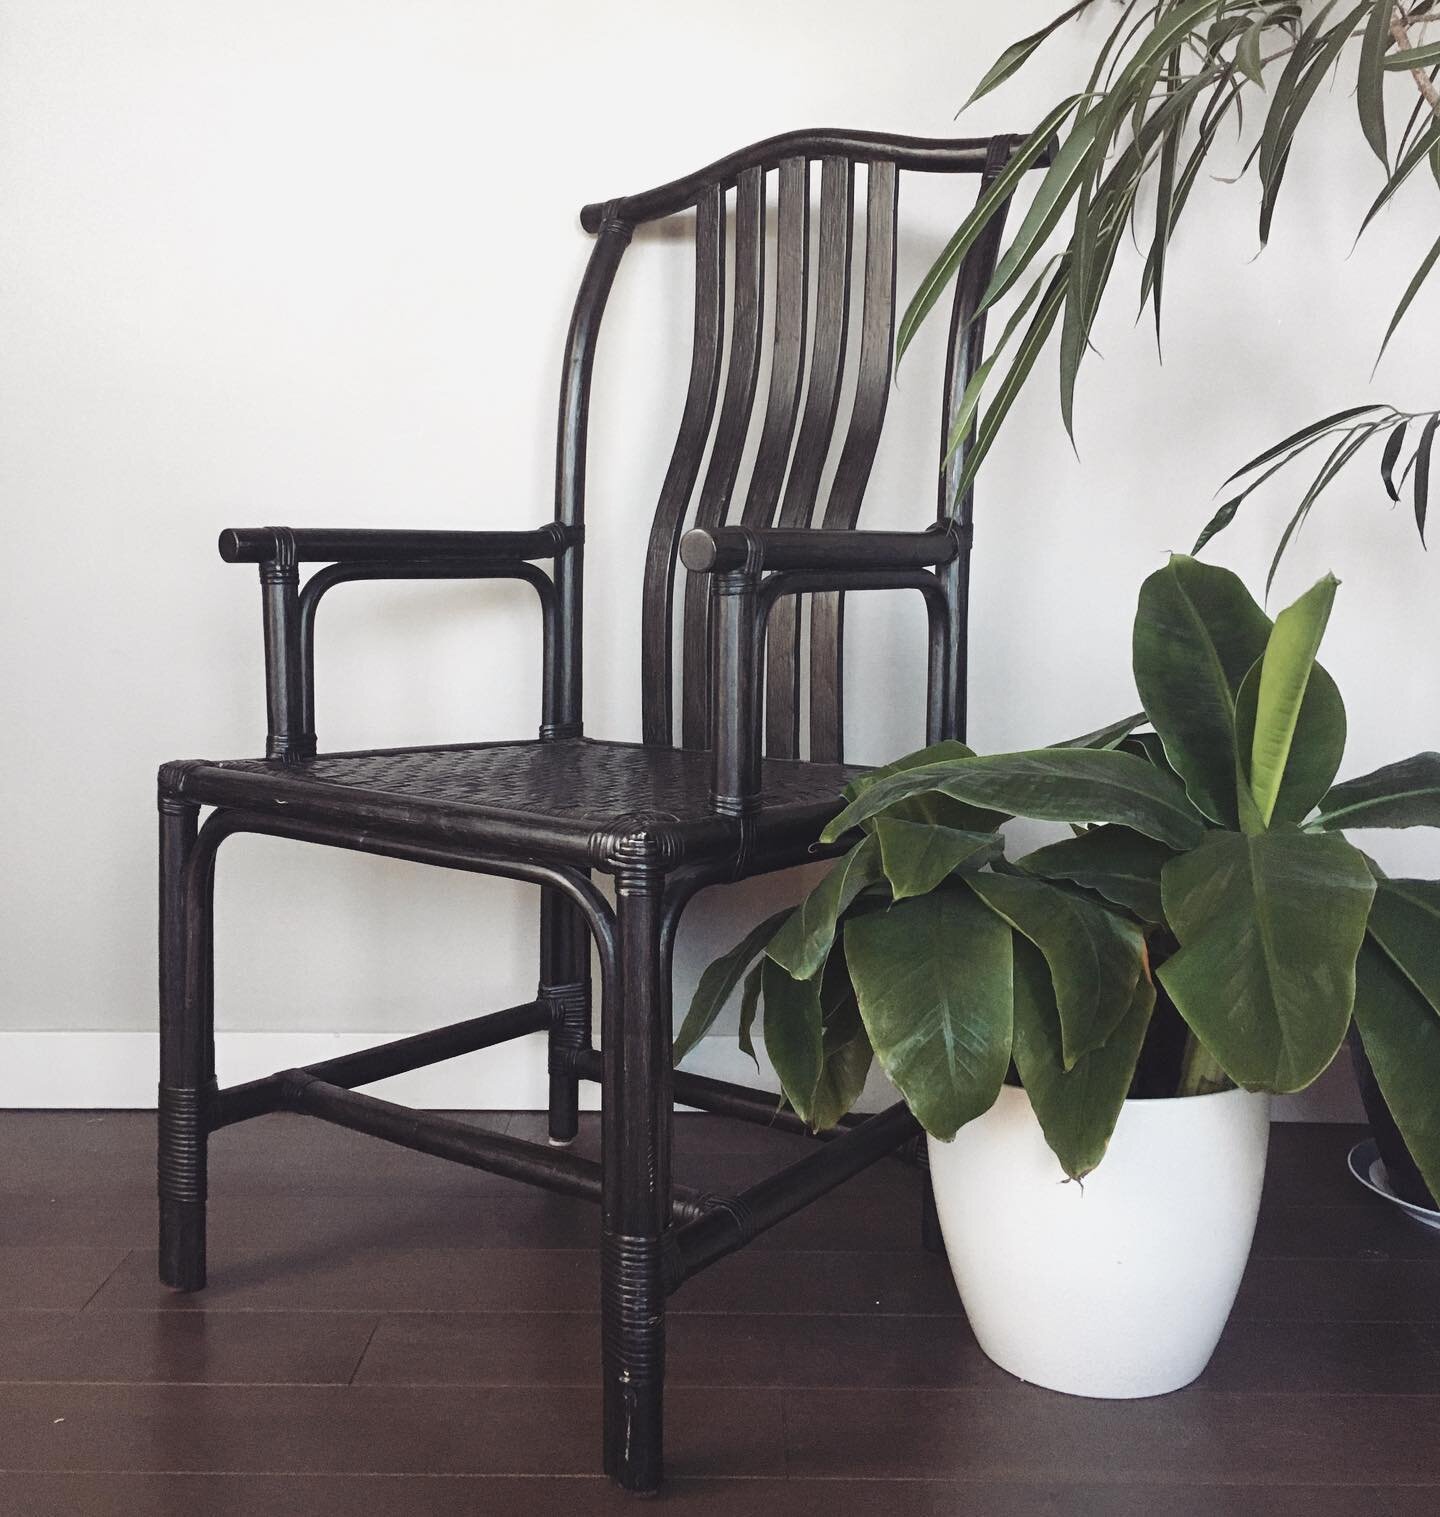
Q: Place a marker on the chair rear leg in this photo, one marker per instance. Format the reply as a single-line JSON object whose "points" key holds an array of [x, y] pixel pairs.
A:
{"points": [[565, 984], [636, 1202], [187, 1060]]}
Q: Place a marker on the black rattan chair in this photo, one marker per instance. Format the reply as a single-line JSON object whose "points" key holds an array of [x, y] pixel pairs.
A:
{"points": [[664, 817]]}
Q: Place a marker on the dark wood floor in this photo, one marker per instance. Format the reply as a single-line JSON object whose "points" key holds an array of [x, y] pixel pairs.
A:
{"points": [[388, 1334]]}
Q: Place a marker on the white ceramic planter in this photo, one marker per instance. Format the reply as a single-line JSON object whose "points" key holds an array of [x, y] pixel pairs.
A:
{"points": [[1118, 1287]]}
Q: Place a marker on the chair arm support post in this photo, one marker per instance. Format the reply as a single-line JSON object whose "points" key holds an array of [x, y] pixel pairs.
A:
{"points": [[735, 697], [286, 736]]}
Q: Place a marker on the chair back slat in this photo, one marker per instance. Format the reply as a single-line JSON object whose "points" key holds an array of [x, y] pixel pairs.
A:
{"points": [[747, 319], [796, 466], [842, 510], [812, 447], [787, 365], [657, 610]]}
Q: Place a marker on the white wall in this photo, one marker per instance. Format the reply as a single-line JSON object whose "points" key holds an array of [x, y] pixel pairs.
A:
{"points": [[311, 262]]}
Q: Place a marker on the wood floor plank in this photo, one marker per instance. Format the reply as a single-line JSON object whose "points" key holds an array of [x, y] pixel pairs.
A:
{"points": [[535, 1280], [1340, 1290], [54, 1278], [888, 1352], [367, 1429], [701, 1350], [180, 1495], [518, 1217], [193, 1347], [1025, 1434]]}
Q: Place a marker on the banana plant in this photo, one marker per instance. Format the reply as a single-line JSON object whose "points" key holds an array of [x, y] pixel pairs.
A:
{"points": [[1207, 889]]}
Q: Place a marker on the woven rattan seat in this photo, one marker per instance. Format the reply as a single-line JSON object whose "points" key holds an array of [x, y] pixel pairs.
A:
{"points": [[587, 790], [740, 664]]}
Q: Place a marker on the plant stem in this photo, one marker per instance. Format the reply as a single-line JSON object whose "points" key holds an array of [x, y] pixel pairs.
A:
{"points": [[1401, 33], [1200, 1075]]}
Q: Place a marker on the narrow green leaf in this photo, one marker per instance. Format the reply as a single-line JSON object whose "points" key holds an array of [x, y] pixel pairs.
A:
{"points": [[1406, 794], [1413, 58], [1024, 360], [918, 855], [1312, 431], [1401, 1034], [1269, 927], [1018, 53], [718, 984], [992, 199], [1394, 447], [1284, 675], [1116, 863], [1077, 1106], [1096, 957], [1197, 632], [1408, 163], [1329, 471], [1370, 86], [1059, 187], [1247, 53], [1048, 784], [933, 977], [803, 943], [1411, 290], [1422, 472]]}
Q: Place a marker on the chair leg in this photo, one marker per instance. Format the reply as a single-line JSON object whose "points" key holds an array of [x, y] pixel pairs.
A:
{"points": [[565, 984], [636, 1133], [187, 1060]]}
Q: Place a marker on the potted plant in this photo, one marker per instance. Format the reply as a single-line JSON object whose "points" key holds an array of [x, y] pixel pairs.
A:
{"points": [[1204, 938]]}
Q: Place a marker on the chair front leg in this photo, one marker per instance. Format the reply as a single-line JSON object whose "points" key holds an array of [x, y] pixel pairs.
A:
{"points": [[187, 1046], [565, 985], [636, 1134]]}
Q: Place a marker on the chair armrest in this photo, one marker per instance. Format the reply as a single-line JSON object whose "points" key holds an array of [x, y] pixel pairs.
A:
{"points": [[258, 545], [723, 550]]}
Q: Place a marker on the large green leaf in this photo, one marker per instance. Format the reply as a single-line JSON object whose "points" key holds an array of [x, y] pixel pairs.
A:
{"points": [[939, 810], [846, 1054], [1284, 678], [794, 1033], [803, 942], [1315, 751], [933, 976], [918, 855], [1406, 794], [1049, 784], [1095, 956], [1110, 736], [1114, 862], [1197, 632], [718, 984], [1077, 1106], [1405, 921], [749, 1004], [1269, 926], [1401, 1034]]}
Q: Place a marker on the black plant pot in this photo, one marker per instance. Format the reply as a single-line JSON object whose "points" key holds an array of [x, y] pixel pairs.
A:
{"points": [[1400, 1169]]}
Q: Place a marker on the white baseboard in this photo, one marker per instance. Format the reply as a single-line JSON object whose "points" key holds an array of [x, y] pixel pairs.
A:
{"points": [[117, 1070]]}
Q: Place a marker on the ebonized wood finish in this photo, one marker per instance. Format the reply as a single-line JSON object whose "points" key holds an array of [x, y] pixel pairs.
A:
{"points": [[741, 787]]}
